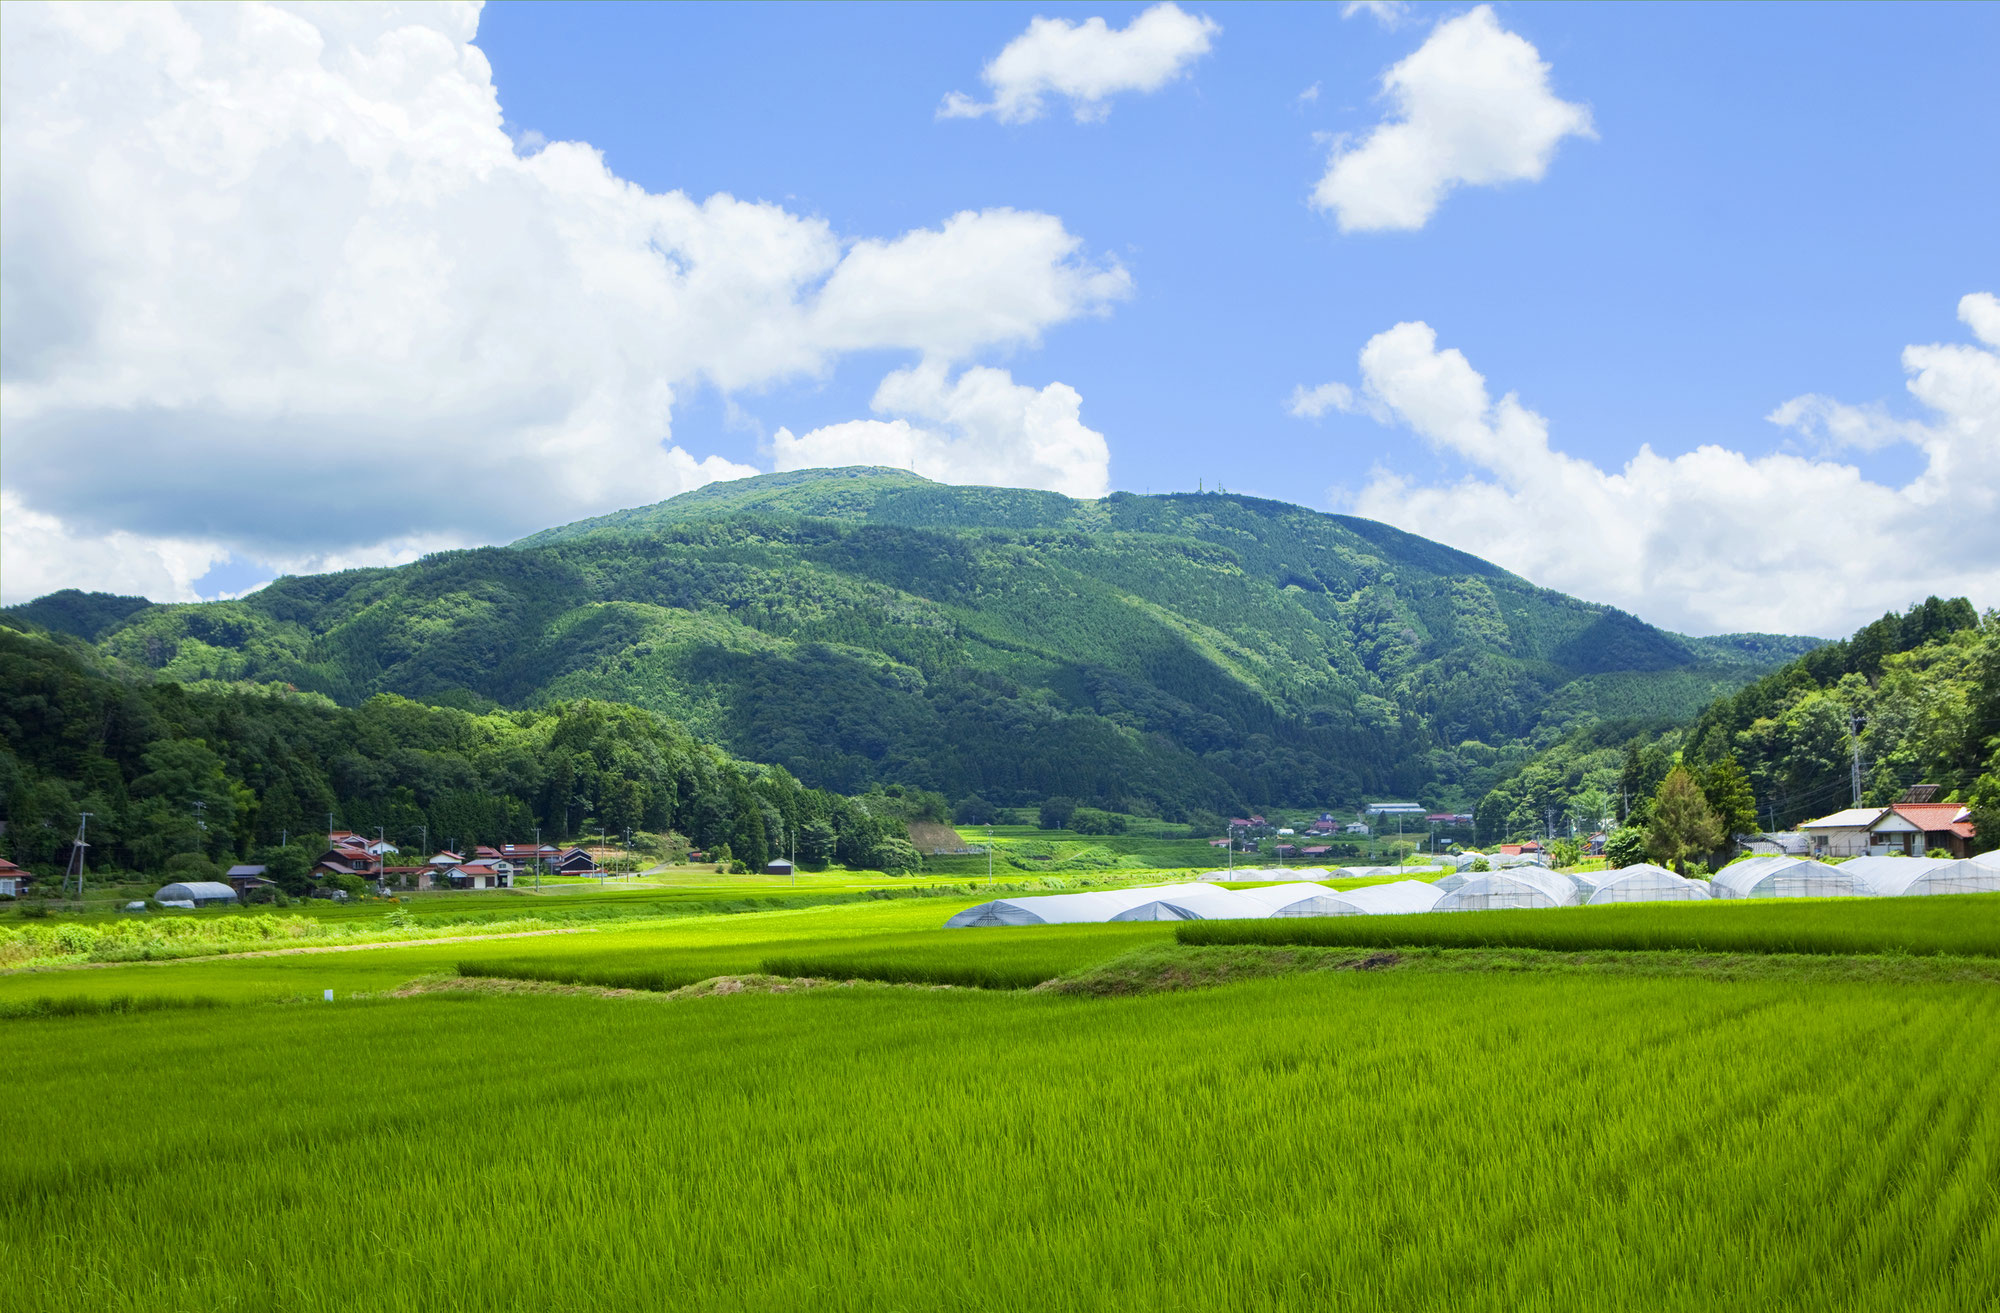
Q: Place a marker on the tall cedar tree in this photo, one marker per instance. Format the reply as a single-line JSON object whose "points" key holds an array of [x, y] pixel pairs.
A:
{"points": [[1729, 795], [1683, 825]]}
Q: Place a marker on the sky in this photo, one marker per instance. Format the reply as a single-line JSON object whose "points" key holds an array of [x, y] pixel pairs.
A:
{"points": [[1690, 310]]}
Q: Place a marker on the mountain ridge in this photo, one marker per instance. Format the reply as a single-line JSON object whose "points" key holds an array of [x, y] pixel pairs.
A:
{"points": [[1171, 652]]}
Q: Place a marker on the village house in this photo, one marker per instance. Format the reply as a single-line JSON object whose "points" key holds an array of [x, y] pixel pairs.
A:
{"points": [[245, 878], [13, 880], [1915, 826]]}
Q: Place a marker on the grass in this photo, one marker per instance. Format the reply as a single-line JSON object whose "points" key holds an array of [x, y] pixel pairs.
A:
{"points": [[1958, 924], [1341, 1140]]}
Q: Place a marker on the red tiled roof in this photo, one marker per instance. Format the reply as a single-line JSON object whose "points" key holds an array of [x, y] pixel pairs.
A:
{"points": [[6, 865], [1930, 815], [477, 868]]}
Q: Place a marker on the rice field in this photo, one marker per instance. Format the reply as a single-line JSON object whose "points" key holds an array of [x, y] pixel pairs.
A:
{"points": [[1959, 924], [1336, 1141]]}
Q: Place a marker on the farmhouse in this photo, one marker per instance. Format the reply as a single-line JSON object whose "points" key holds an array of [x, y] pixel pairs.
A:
{"points": [[481, 875], [245, 878], [575, 861], [13, 880], [1910, 827]]}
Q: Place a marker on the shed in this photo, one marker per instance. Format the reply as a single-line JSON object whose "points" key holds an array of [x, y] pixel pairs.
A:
{"points": [[196, 893], [777, 866], [1522, 887], [1066, 909], [1784, 877], [1396, 899], [245, 878], [1646, 883]]}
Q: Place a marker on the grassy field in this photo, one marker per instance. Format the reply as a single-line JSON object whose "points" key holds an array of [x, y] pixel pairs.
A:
{"points": [[1359, 1140], [1956, 924]]}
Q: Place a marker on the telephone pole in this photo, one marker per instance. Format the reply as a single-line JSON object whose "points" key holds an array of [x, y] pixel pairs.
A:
{"points": [[76, 855], [1857, 723]]}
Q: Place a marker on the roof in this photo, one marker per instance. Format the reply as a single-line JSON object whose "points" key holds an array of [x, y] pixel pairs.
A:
{"points": [[477, 868], [1931, 815], [1854, 818], [247, 870], [6, 865]]}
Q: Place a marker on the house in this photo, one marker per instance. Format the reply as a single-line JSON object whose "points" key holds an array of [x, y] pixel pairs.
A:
{"points": [[575, 861], [523, 854], [1910, 828], [349, 839], [476, 875], [1520, 849], [13, 880], [403, 877], [444, 857], [1320, 851], [245, 878], [1356, 827], [1286, 850]]}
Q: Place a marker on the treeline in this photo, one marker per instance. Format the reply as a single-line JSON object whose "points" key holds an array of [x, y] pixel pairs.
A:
{"points": [[1916, 694], [227, 772]]}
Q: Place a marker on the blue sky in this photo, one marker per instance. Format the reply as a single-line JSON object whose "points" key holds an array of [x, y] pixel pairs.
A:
{"points": [[1686, 309], [1780, 197]]}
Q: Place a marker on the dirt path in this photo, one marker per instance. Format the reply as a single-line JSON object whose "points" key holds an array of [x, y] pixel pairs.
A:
{"points": [[293, 952]]}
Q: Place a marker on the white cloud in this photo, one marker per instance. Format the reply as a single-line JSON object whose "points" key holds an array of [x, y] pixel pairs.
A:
{"points": [[1472, 108], [980, 428], [1712, 540], [1391, 14], [1087, 62], [279, 282], [1311, 403]]}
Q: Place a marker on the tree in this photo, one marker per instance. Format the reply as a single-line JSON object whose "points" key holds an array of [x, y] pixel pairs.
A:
{"points": [[1625, 846], [1683, 825], [1591, 806], [288, 867], [1564, 853], [1727, 791], [1056, 813]]}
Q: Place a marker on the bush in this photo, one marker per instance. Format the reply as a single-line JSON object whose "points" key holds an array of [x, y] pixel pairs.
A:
{"points": [[1625, 846], [1091, 820], [191, 866], [1056, 813], [1480, 866]]}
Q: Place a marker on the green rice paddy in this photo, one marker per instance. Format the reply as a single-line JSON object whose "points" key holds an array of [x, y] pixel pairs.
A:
{"points": [[1620, 1124], [1961, 924]]}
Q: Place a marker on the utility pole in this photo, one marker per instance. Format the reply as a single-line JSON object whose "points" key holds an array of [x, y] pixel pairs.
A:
{"points": [[538, 859], [76, 855], [1856, 724]]}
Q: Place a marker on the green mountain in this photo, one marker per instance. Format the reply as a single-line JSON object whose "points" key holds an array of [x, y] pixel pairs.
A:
{"points": [[1923, 687], [1187, 652]]}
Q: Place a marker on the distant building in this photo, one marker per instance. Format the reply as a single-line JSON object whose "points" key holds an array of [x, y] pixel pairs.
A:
{"points": [[1910, 828], [1356, 827], [575, 861], [245, 878], [13, 880], [478, 875], [777, 866]]}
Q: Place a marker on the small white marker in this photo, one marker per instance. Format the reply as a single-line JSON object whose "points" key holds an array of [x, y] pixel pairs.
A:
{"points": [[329, 996]]}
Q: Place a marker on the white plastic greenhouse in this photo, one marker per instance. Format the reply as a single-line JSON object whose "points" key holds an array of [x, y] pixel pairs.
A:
{"points": [[1904, 877], [1645, 883], [1396, 899], [1991, 860], [1521, 887], [1206, 903], [1278, 896], [1065, 909], [1784, 877]]}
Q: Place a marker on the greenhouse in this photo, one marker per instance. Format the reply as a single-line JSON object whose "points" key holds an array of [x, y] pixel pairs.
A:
{"points": [[1396, 899], [1521, 887], [1277, 896], [1454, 880], [1645, 883], [1907, 877], [1066, 909], [195, 893], [1784, 877], [1204, 903]]}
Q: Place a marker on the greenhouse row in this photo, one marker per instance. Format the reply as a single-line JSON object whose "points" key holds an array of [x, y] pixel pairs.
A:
{"points": [[1521, 886]]}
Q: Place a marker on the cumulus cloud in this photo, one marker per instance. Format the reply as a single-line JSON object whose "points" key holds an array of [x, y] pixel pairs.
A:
{"points": [[1088, 63], [1473, 107], [1311, 403], [980, 428], [1713, 540], [280, 283], [1391, 14]]}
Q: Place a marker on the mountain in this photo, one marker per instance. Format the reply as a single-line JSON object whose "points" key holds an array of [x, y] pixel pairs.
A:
{"points": [[1923, 686], [1183, 652]]}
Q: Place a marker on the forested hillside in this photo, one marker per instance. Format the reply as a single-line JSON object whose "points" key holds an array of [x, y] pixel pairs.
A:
{"points": [[223, 772], [1175, 654], [1924, 687]]}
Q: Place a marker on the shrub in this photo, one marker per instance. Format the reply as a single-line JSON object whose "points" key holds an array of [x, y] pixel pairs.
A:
{"points": [[1625, 846], [1480, 866]]}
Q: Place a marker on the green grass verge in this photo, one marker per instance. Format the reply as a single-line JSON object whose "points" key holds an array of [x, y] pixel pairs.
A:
{"points": [[1958, 924], [1342, 1140]]}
